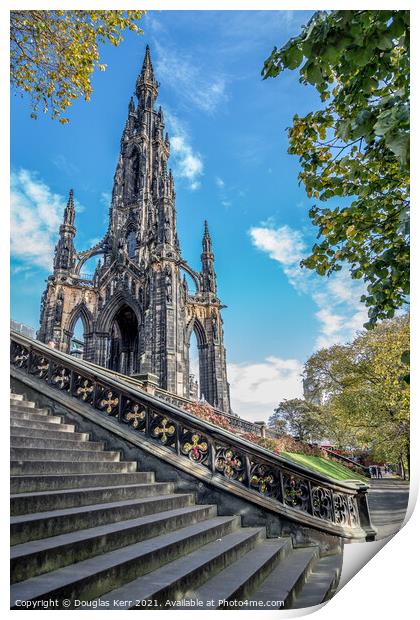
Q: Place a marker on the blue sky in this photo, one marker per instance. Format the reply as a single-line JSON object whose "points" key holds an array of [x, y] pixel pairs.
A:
{"points": [[229, 155]]}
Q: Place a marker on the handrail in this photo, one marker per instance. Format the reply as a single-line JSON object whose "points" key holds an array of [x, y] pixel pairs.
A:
{"points": [[349, 462], [314, 499]]}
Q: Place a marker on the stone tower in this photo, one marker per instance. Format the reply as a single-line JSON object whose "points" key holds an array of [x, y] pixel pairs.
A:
{"points": [[137, 312]]}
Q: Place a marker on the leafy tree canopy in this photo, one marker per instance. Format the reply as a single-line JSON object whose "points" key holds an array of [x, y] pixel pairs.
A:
{"points": [[54, 53], [299, 418], [363, 390], [356, 146]]}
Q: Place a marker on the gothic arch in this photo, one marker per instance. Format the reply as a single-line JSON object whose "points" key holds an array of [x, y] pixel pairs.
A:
{"points": [[194, 275], [111, 308], [85, 256], [197, 326], [80, 312]]}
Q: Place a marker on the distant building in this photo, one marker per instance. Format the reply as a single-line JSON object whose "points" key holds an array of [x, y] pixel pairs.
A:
{"points": [[77, 348], [23, 329]]}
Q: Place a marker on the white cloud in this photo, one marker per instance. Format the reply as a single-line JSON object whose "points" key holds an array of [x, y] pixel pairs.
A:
{"points": [[36, 214], [257, 388], [219, 182], [188, 164], [340, 312], [194, 83]]}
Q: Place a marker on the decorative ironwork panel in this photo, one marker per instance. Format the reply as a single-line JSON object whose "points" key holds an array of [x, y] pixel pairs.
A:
{"points": [[39, 366], [84, 389], [354, 520], [107, 400], [265, 480], [60, 377], [322, 502], [296, 492], [19, 355], [341, 509], [135, 415], [230, 463], [195, 446], [163, 429]]}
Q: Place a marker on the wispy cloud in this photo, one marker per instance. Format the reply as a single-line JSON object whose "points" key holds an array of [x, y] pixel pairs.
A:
{"points": [[63, 164], [194, 84], [36, 214], [188, 163], [257, 388], [340, 312], [224, 191]]}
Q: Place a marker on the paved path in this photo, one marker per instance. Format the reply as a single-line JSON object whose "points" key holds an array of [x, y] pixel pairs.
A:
{"points": [[388, 498]]}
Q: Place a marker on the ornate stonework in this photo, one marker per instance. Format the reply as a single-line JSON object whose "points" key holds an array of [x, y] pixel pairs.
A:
{"points": [[137, 312]]}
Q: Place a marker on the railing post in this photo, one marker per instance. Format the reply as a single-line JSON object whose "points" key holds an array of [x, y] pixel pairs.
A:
{"points": [[147, 421], [281, 486], [178, 431], [311, 504], [71, 387], [29, 364], [212, 456], [364, 513], [120, 406], [248, 471]]}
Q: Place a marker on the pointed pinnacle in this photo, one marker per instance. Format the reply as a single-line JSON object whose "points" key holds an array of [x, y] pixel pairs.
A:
{"points": [[69, 210], [147, 65], [70, 201]]}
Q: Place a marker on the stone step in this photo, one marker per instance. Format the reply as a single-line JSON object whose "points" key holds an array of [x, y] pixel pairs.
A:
{"points": [[56, 444], [21, 401], [27, 484], [43, 455], [321, 583], [237, 581], [35, 417], [22, 408], [92, 577], [20, 468], [285, 580], [14, 396], [46, 426], [43, 501], [181, 575], [37, 557], [31, 527], [25, 431]]}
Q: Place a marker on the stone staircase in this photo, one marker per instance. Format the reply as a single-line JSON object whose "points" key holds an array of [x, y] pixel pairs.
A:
{"points": [[86, 525]]}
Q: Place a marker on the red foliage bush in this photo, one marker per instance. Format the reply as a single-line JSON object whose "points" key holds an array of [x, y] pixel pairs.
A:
{"points": [[285, 443]]}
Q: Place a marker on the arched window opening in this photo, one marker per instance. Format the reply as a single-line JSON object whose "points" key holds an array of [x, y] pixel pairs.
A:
{"points": [[77, 340], [123, 353], [131, 244], [194, 369]]}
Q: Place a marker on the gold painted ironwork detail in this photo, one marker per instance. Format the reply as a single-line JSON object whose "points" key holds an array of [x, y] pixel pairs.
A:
{"points": [[165, 431], [135, 416], [109, 403], [196, 448], [85, 390]]}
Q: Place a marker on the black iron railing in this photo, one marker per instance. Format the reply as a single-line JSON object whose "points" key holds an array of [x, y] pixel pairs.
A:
{"points": [[350, 463], [217, 455]]}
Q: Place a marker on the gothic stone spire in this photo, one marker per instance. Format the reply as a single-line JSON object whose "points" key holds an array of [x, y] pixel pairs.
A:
{"points": [[64, 250], [146, 85], [207, 262]]}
